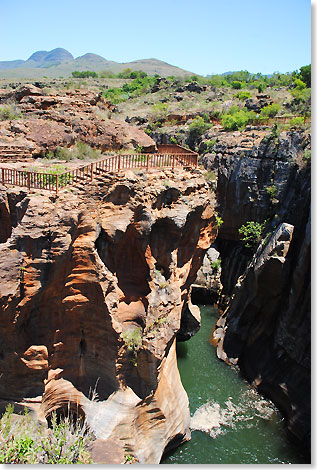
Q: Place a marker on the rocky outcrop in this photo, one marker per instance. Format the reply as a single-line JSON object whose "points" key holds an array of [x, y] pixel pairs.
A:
{"points": [[266, 326], [63, 118], [93, 289], [266, 329], [259, 177]]}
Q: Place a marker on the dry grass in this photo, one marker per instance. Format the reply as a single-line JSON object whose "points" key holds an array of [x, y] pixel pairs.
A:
{"points": [[24, 441]]}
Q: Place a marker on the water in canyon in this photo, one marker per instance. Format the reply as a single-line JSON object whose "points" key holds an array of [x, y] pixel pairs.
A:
{"points": [[230, 422]]}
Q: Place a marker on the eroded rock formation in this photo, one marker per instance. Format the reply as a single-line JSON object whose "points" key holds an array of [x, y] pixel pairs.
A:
{"points": [[266, 327], [64, 117], [93, 288]]}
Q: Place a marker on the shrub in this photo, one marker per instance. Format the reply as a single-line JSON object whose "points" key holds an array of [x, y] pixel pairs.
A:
{"points": [[270, 111], [25, 442], [297, 122], [210, 176], [216, 264], [84, 74], [80, 151], [8, 112], [299, 84], [243, 95], [237, 120], [307, 155], [305, 74], [251, 233], [218, 220], [209, 144], [159, 110], [236, 85], [197, 128], [271, 190], [133, 339]]}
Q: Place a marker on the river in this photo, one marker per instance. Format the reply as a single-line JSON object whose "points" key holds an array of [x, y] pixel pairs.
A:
{"points": [[231, 423]]}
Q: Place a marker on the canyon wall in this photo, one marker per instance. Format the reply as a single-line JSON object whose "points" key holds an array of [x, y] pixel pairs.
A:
{"points": [[265, 328], [93, 288]]}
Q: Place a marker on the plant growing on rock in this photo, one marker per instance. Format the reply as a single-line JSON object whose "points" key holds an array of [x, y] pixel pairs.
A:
{"points": [[271, 191], [23, 441], [218, 219], [251, 233], [197, 128], [9, 112], [236, 118], [209, 145], [270, 111], [133, 339], [216, 264]]}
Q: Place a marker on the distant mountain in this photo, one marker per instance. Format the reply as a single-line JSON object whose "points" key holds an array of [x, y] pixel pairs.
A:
{"points": [[61, 63], [40, 59]]}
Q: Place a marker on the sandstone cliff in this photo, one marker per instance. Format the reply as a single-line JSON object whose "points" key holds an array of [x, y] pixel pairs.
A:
{"points": [[93, 289]]}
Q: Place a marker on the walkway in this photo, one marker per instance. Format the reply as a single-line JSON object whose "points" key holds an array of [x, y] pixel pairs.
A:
{"points": [[170, 156]]}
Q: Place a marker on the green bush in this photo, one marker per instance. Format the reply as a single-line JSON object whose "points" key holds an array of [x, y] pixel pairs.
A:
{"points": [[297, 122], [237, 119], [80, 151], [305, 74], [218, 219], [270, 111], [209, 145], [197, 128], [243, 95], [9, 112], [210, 176], [271, 191], [307, 155], [84, 74], [159, 111], [133, 339], [236, 85], [23, 441], [216, 265], [299, 84], [251, 233]]}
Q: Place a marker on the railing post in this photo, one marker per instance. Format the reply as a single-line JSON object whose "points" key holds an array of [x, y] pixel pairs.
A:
{"points": [[2, 175], [91, 171], [147, 163], [29, 180], [119, 163], [57, 180], [173, 162]]}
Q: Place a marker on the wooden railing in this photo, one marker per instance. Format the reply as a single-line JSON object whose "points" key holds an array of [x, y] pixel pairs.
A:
{"points": [[54, 182]]}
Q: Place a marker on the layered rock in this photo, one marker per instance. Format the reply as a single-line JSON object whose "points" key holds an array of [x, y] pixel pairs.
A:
{"points": [[63, 118], [93, 290]]}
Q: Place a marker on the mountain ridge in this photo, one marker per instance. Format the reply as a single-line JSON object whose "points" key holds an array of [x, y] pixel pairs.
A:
{"points": [[59, 61]]}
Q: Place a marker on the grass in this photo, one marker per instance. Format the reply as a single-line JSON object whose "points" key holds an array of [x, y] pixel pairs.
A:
{"points": [[80, 151], [9, 112], [24, 441], [133, 339]]}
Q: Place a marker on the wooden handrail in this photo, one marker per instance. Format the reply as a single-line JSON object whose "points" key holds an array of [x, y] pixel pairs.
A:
{"points": [[116, 163]]}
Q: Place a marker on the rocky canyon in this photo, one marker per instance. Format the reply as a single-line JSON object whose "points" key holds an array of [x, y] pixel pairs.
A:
{"points": [[94, 287]]}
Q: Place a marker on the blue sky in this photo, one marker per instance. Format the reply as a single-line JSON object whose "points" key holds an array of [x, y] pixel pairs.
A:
{"points": [[203, 36]]}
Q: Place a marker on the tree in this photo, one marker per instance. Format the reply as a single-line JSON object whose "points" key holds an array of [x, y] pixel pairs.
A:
{"points": [[305, 75]]}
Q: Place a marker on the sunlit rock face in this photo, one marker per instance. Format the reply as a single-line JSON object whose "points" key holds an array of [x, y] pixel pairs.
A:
{"points": [[93, 288]]}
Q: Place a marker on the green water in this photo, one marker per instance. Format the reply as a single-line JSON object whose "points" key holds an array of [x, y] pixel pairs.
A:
{"points": [[236, 425]]}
